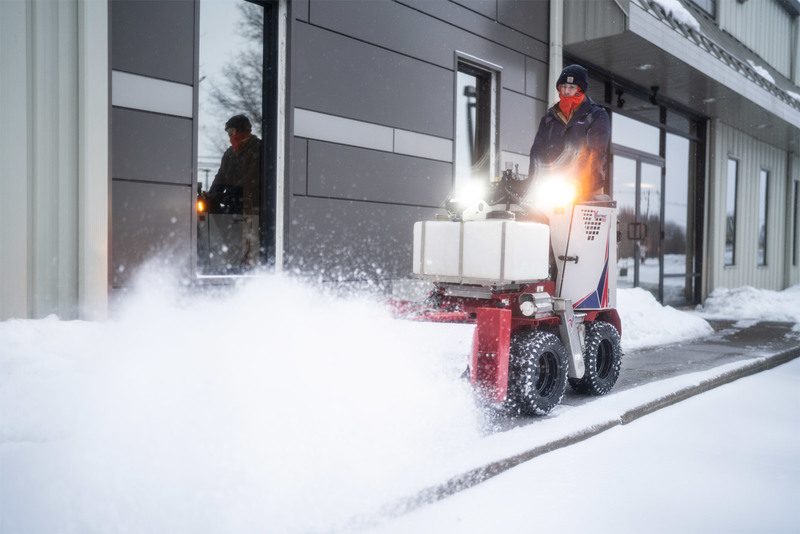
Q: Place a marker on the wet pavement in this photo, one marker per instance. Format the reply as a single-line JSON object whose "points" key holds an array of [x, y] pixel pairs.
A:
{"points": [[731, 342]]}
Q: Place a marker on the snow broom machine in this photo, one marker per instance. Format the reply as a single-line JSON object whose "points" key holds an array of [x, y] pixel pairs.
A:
{"points": [[541, 295]]}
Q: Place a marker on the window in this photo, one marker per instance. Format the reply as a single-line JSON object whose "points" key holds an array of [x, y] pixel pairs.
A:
{"points": [[794, 223], [730, 212], [635, 134], [475, 115], [235, 152], [763, 192]]}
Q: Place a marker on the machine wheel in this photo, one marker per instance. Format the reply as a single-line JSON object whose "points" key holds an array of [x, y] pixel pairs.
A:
{"points": [[602, 356], [537, 372]]}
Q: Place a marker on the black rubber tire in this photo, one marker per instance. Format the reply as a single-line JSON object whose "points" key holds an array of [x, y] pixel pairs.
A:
{"points": [[537, 373], [602, 356]]}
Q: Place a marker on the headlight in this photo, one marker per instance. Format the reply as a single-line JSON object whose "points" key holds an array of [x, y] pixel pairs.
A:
{"points": [[536, 305], [201, 206], [555, 192], [527, 307], [469, 193], [469, 197]]}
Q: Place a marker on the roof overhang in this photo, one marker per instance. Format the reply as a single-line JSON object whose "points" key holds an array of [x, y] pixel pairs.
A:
{"points": [[638, 42]]}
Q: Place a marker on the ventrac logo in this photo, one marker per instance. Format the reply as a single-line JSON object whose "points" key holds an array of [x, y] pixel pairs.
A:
{"points": [[599, 216]]}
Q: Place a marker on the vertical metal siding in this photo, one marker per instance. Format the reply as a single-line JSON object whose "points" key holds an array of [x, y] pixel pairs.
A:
{"points": [[586, 21], [54, 167], [53, 259], [753, 156], [763, 26]]}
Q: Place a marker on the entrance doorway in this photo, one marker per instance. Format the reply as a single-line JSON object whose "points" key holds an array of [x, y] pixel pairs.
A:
{"points": [[638, 187]]}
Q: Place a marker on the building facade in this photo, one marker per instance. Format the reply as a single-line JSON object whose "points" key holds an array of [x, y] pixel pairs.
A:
{"points": [[369, 116]]}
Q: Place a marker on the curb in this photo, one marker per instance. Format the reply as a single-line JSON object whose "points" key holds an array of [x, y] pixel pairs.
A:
{"points": [[475, 476]]}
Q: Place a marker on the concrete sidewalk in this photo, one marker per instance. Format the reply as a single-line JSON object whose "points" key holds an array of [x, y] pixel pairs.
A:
{"points": [[757, 346]]}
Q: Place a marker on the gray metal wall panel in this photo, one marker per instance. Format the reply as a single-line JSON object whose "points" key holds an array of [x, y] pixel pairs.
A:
{"points": [[519, 116], [299, 9], [343, 172], [536, 78], [351, 240], [344, 77], [299, 169], [497, 31], [151, 147], [421, 33], [530, 17], [150, 221], [487, 8], [153, 38]]}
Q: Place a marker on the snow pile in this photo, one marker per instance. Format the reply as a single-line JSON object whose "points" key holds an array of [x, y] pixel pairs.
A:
{"points": [[646, 323], [761, 71], [750, 305], [277, 409], [680, 14]]}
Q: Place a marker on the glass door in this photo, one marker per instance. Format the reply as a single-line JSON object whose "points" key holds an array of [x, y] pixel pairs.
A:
{"points": [[637, 190], [237, 140]]}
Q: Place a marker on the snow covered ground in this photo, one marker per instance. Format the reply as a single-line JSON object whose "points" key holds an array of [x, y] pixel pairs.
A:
{"points": [[724, 461], [277, 408]]}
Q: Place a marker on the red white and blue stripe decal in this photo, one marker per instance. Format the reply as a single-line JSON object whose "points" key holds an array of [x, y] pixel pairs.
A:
{"points": [[598, 298]]}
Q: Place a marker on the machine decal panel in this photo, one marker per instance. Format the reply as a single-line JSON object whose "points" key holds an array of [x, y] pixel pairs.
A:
{"points": [[590, 278]]}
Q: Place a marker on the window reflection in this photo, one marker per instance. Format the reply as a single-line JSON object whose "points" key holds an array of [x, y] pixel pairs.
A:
{"points": [[763, 199], [678, 259], [230, 173], [795, 206], [650, 216], [474, 118], [730, 212], [635, 134], [625, 194]]}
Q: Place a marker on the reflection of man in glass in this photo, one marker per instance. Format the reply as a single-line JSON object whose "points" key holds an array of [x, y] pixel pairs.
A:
{"points": [[236, 187], [573, 136]]}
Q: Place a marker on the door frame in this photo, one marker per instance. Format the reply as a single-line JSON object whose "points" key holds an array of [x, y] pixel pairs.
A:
{"points": [[643, 157]]}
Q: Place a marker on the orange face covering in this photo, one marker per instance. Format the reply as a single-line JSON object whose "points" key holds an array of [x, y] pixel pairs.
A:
{"points": [[567, 104], [237, 139]]}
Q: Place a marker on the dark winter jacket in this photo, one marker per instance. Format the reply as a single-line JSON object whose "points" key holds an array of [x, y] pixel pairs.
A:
{"points": [[236, 186], [577, 148]]}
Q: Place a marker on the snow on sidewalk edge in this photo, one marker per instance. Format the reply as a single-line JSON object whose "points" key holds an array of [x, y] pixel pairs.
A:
{"points": [[583, 423]]}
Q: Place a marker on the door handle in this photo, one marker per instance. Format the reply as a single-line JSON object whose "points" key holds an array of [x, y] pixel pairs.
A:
{"points": [[637, 231]]}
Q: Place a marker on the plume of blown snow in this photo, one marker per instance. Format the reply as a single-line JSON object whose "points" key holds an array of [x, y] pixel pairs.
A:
{"points": [[275, 408]]}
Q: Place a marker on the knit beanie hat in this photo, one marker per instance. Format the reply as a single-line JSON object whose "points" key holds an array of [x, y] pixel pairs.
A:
{"points": [[574, 74], [240, 122]]}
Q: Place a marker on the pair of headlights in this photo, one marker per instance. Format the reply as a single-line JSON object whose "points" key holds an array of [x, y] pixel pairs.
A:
{"points": [[547, 194]]}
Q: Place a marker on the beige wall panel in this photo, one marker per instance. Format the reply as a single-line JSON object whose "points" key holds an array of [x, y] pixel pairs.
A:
{"points": [[752, 156], [747, 22]]}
